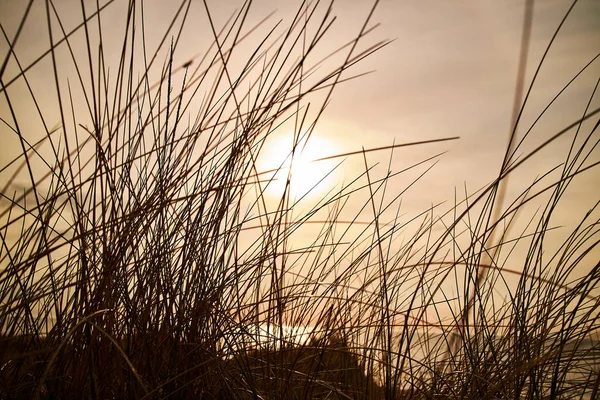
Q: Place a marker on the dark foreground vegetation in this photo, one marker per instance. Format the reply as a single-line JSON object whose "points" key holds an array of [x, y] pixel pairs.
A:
{"points": [[140, 250], [180, 370]]}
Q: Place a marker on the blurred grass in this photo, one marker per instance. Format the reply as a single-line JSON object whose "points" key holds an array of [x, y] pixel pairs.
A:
{"points": [[141, 253]]}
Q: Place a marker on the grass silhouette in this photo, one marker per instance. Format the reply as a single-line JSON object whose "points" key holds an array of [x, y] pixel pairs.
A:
{"points": [[143, 253]]}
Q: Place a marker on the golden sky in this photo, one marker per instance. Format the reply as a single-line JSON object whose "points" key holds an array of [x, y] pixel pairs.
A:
{"points": [[450, 71]]}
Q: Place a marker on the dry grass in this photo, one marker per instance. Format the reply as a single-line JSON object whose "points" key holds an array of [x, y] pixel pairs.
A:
{"points": [[143, 251]]}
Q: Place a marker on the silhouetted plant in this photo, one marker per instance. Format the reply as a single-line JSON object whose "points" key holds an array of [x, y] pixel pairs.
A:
{"points": [[143, 257]]}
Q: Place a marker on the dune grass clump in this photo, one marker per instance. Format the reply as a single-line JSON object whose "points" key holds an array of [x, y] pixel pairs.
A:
{"points": [[142, 255]]}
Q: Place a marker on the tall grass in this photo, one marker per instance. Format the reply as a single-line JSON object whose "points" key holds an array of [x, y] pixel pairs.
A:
{"points": [[142, 256]]}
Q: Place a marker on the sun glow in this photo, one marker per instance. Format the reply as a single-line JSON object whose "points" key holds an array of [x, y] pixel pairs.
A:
{"points": [[309, 176], [265, 335]]}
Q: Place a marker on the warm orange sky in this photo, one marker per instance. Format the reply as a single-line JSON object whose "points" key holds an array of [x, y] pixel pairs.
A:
{"points": [[450, 71]]}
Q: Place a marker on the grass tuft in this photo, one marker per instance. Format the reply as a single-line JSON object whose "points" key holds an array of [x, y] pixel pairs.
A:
{"points": [[143, 254]]}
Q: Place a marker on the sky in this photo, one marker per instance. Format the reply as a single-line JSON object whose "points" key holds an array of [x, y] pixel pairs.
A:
{"points": [[450, 70]]}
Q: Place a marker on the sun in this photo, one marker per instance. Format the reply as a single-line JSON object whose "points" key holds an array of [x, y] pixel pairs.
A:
{"points": [[309, 175]]}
